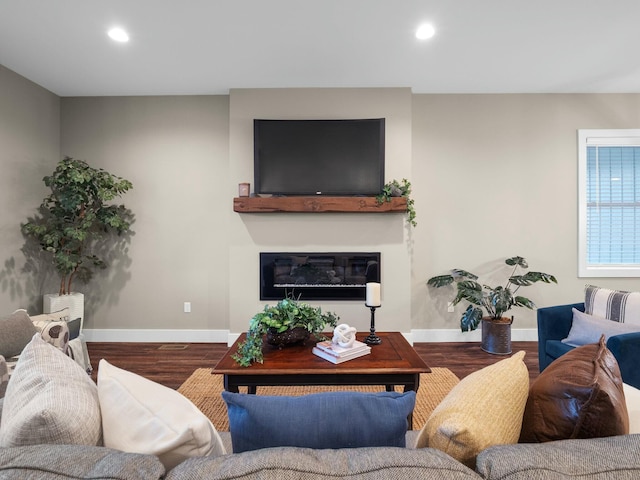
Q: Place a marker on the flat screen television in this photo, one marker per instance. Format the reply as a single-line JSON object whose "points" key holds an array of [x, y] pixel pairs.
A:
{"points": [[319, 157]]}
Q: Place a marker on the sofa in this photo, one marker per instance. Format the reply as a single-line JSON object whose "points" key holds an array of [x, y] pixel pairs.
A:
{"points": [[57, 328], [56, 423], [602, 458], [562, 328]]}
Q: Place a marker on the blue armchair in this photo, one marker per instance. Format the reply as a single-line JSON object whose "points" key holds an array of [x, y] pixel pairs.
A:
{"points": [[554, 324]]}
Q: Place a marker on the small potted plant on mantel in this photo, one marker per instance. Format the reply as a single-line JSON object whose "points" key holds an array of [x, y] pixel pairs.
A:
{"points": [[72, 220], [394, 188], [495, 301], [288, 322]]}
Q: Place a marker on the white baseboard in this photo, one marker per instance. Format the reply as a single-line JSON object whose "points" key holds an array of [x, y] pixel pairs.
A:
{"points": [[455, 335], [224, 336], [158, 336]]}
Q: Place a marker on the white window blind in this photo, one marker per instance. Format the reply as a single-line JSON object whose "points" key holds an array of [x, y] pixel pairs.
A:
{"points": [[609, 203]]}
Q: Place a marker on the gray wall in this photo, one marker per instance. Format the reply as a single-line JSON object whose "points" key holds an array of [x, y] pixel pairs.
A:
{"points": [[493, 176], [29, 149]]}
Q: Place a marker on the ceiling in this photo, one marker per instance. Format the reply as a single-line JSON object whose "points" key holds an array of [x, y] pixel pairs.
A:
{"points": [[181, 47]]}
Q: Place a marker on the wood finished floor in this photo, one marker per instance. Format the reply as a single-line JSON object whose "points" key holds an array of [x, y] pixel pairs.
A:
{"points": [[170, 364]]}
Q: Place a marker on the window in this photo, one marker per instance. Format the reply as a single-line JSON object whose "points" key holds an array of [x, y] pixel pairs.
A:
{"points": [[609, 203]]}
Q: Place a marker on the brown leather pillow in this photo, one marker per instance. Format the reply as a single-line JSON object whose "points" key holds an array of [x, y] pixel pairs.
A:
{"points": [[578, 396]]}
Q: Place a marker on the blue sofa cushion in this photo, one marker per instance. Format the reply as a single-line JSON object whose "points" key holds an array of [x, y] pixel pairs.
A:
{"points": [[322, 420], [556, 348]]}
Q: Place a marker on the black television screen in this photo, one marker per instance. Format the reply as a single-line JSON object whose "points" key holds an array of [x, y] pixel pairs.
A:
{"points": [[319, 157]]}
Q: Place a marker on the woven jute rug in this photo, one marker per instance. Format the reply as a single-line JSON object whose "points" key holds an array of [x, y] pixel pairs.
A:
{"points": [[204, 389]]}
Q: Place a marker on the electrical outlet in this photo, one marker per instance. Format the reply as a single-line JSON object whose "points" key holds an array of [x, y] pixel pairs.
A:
{"points": [[187, 307], [450, 308]]}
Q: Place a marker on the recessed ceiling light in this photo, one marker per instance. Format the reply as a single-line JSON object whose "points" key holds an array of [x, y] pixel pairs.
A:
{"points": [[118, 34], [425, 31]]}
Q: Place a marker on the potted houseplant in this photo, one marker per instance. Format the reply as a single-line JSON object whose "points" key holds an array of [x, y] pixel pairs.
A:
{"points": [[489, 304], [289, 321], [394, 188], [73, 219]]}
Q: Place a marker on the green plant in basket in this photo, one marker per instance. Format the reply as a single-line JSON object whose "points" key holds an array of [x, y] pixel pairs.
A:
{"points": [[288, 314], [495, 301]]}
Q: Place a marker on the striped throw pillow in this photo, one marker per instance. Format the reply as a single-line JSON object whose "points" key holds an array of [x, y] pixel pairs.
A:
{"points": [[616, 305]]}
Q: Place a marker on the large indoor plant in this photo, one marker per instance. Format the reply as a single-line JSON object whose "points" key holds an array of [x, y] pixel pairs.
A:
{"points": [[76, 216], [290, 320], [490, 304]]}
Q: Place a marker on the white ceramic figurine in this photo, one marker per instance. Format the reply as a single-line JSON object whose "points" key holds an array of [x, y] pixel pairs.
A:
{"points": [[344, 335]]}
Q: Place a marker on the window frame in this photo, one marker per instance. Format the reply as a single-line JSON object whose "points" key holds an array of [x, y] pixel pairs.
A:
{"points": [[599, 137]]}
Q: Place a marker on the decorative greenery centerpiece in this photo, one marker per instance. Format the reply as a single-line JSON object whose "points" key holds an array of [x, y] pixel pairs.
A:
{"points": [[76, 215], [496, 301], [288, 314], [397, 189]]}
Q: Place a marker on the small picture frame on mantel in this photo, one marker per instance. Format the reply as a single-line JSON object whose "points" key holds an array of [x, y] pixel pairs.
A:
{"points": [[244, 189]]}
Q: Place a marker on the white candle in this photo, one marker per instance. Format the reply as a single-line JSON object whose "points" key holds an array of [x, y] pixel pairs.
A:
{"points": [[373, 294]]}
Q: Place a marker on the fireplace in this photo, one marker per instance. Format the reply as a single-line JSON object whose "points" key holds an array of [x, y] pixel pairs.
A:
{"points": [[319, 276]]}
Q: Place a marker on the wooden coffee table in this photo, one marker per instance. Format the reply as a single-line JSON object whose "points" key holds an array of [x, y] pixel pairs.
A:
{"points": [[393, 362]]}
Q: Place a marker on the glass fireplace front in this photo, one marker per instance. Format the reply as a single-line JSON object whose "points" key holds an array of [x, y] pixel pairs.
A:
{"points": [[319, 276]]}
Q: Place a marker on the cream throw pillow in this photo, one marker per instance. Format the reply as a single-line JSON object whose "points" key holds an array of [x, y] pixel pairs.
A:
{"points": [[141, 416], [484, 409], [49, 399]]}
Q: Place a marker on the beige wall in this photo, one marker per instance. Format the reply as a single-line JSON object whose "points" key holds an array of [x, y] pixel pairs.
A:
{"points": [[29, 148], [496, 176], [493, 176], [385, 233], [185, 157], [175, 151]]}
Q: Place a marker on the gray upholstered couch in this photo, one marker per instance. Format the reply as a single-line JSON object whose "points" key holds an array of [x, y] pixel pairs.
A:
{"points": [[128, 410], [616, 457], [603, 458]]}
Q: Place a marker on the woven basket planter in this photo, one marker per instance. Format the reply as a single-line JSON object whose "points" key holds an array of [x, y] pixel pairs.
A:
{"points": [[288, 337], [496, 335]]}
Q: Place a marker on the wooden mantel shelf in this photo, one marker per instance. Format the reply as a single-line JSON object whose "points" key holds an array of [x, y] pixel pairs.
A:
{"points": [[319, 204]]}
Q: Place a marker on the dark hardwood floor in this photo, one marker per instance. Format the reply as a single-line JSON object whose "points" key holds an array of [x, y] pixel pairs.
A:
{"points": [[171, 364]]}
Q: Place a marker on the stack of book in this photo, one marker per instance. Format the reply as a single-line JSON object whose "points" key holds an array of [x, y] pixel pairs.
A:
{"points": [[337, 354]]}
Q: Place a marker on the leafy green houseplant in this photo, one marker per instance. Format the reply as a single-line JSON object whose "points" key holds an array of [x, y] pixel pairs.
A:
{"points": [[287, 316], [394, 188], [494, 301], [76, 215]]}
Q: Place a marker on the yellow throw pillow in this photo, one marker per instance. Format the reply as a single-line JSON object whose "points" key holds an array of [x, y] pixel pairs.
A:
{"points": [[484, 409]]}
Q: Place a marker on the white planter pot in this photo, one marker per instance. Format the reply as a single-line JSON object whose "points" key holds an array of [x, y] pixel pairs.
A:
{"points": [[52, 302]]}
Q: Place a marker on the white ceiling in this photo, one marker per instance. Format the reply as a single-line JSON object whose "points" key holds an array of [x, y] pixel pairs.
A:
{"points": [[210, 46]]}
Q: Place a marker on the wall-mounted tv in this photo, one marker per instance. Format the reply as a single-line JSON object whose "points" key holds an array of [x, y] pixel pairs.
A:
{"points": [[319, 157]]}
